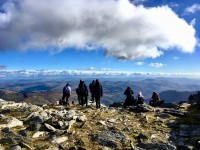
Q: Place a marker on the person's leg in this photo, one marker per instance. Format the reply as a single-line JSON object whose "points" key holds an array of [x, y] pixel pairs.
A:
{"points": [[86, 100], [92, 97], [67, 99], [82, 100], [98, 101], [63, 99]]}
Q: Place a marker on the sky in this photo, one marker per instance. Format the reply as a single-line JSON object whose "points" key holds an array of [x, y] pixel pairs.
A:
{"points": [[107, 37]]}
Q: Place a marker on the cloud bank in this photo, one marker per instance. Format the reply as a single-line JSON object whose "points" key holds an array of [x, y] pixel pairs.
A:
{"points": [[123, 30], [5, 74]]}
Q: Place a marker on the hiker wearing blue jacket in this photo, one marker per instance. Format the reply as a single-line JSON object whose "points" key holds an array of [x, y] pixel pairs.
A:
{"points": [[66, 94]]}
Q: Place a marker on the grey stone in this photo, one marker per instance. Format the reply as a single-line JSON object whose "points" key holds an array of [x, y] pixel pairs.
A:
{"points": [[16, 147], [24, 145], [70, 114], [82, 118], [38, 134], [59, 140], [34, 127], [23, 133], [35, 119], [110, 138], [8, 140], [116, 104], [49, 127], [144, 108], [7, 130], [156, 146], [168, 105], [175, 112], [163, 116]]}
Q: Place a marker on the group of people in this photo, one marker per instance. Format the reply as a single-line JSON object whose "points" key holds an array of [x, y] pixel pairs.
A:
{"points": [[95, 89], [131, 100]]}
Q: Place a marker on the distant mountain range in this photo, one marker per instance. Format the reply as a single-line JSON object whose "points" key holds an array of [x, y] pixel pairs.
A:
{"points": [[175, 96], [39, 91]]}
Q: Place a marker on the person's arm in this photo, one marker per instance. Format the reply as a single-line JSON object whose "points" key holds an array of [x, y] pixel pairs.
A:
{"points": [[86, 89], [101, 90], [70, 91]]}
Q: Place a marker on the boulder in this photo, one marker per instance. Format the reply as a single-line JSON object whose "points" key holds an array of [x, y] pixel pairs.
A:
{"points": [[49, 127], [15, 147], [13, 122], [116, 104], [59, 140], [39, 134], [144, 108], [110, 137]]}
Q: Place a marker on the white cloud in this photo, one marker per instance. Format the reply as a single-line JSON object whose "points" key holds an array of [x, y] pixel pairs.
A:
{"points": [[102, 73], [176, 58], [139, 63], [124, 30], [193, 9], [156, 65]]}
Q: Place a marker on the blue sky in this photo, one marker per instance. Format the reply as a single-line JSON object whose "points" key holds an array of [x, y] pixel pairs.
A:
{"points": [[138, 36]]}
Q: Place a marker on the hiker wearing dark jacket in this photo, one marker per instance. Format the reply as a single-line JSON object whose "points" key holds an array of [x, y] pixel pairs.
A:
{"points": [[129, 97], [91, 86], [83, 93], [98, 92], [66, 94], [155, 98]]}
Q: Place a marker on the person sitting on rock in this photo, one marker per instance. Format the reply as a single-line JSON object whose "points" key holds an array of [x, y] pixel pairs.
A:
{"points": [[140, 98], [129, 97], [155, 98]]}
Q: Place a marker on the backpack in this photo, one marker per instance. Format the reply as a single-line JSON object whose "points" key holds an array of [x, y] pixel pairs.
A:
{"points": [[82, 89], [98, 88], [66, 90]]}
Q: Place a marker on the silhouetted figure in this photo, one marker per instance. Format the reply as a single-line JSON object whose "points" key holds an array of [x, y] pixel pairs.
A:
{"points": [[155, 98], [91, 87], [83, 93], [129, 97], [66, 94], [140, 98], [98, 92], [78, 96]]}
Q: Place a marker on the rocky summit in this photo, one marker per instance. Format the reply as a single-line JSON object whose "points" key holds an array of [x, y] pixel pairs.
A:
{"points": [[53, 127]]}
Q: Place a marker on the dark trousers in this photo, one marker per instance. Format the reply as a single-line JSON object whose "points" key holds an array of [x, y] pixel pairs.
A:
{"points": [[65, 99], [98, 101], [92, 96], [84, 100]]}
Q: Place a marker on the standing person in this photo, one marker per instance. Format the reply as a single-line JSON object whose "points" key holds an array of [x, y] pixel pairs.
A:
{"points": [[83, 93], [140, 98], [66, 94], [98, 92], [78, 96], [129, 97], [91, 86]]}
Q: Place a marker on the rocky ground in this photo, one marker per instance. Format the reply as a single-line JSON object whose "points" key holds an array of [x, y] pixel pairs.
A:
{"points": [[54, 127]]}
